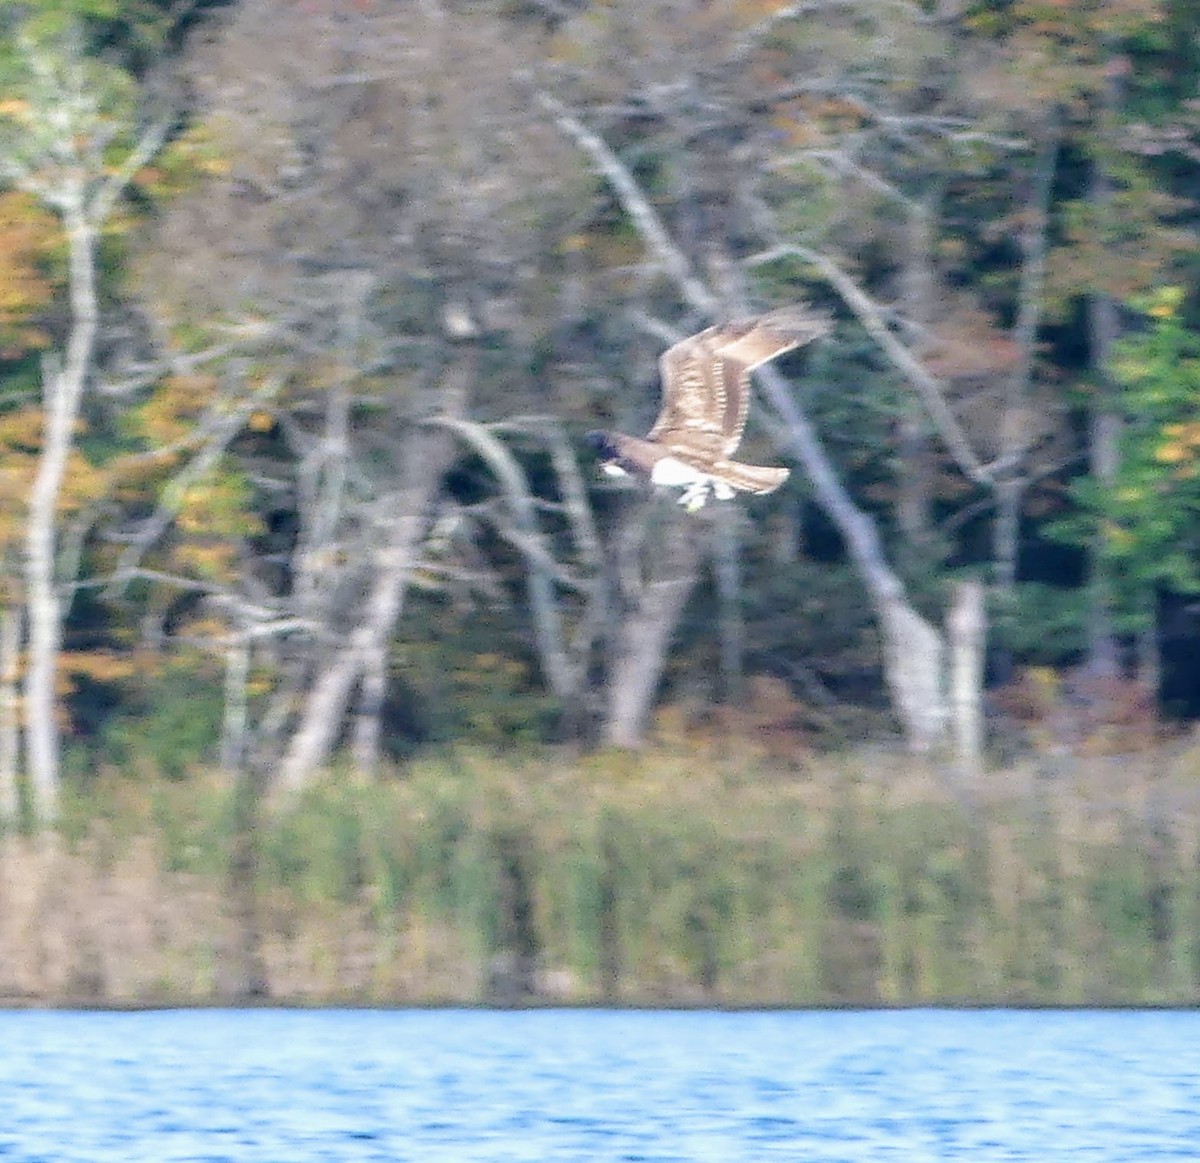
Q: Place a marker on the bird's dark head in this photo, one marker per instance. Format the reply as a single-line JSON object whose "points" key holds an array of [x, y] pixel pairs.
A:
{"points": [[603, 445]]}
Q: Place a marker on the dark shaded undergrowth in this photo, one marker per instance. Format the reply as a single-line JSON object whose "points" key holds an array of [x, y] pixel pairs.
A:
{"points": [[669, 877]]}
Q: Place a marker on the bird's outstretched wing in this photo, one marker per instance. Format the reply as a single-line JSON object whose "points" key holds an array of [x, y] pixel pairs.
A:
{"points": [[706, 378]]}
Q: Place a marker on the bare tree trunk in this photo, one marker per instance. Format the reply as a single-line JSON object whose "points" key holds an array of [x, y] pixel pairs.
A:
{"points": [[329, 698], [65, 161], [966, 629], [67, 167], [564, 631], [10, 719], [652, 590], [367, 735], [579, 712], [913, 663], [62, 391], [520, 527]]}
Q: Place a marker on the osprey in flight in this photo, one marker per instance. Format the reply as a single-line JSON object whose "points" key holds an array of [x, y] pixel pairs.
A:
{"points": [[705, 399]]}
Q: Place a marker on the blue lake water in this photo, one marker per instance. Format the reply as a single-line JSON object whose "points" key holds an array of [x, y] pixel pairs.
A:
{"points": [[289, 1086]]}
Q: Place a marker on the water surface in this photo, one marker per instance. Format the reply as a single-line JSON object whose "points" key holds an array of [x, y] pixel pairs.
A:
{"points": [[289, 1086]]}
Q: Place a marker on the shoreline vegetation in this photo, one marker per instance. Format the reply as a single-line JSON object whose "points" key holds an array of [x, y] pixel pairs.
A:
{"points": [[673, 877]]}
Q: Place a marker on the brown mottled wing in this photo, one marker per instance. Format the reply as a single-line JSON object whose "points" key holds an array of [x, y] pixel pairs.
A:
{"points": [[706, 379], [690, 419]]}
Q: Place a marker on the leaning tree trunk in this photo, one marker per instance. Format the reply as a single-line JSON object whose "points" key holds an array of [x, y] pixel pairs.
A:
{"points": [[913, 651]]}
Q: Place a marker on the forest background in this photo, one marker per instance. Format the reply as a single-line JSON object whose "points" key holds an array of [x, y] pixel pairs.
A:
{"points": [[329, 668]]}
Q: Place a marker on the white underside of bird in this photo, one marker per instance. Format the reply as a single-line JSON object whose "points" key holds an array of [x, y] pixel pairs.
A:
{"points": [[697, 485]]}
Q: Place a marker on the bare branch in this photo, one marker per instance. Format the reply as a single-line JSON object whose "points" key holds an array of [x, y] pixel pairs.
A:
{"points": [[147, 145], [220, 436], [570, 480], [651, 325], [574, 493], [870, 315], [525, 535], [178, 363], [669, 256], [842, 164], [755, 34]]}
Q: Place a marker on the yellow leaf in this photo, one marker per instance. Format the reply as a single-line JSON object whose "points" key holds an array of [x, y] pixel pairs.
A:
{"points": [[1171, 453], [99, 665], [1117, 537], [1165, 302]]}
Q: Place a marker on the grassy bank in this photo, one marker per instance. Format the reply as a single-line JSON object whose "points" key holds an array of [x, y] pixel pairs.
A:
{"points": [[659, 878]]}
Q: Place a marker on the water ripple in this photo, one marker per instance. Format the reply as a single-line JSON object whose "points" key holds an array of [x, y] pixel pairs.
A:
{"points": [[455, 1086]]}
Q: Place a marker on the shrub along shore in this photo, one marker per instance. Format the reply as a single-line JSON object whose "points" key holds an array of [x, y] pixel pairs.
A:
{"points": [[669, 877]]}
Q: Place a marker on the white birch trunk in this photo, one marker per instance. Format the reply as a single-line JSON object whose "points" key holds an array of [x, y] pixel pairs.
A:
{"points": [[66, 166], [62, 392]]}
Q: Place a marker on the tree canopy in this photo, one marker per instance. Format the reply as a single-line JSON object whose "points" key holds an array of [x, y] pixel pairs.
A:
{"points": [[305, 306]]}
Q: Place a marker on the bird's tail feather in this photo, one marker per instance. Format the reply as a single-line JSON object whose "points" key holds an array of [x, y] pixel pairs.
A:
{"points": [[750, 478], [797, 319], [774, 333]]}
